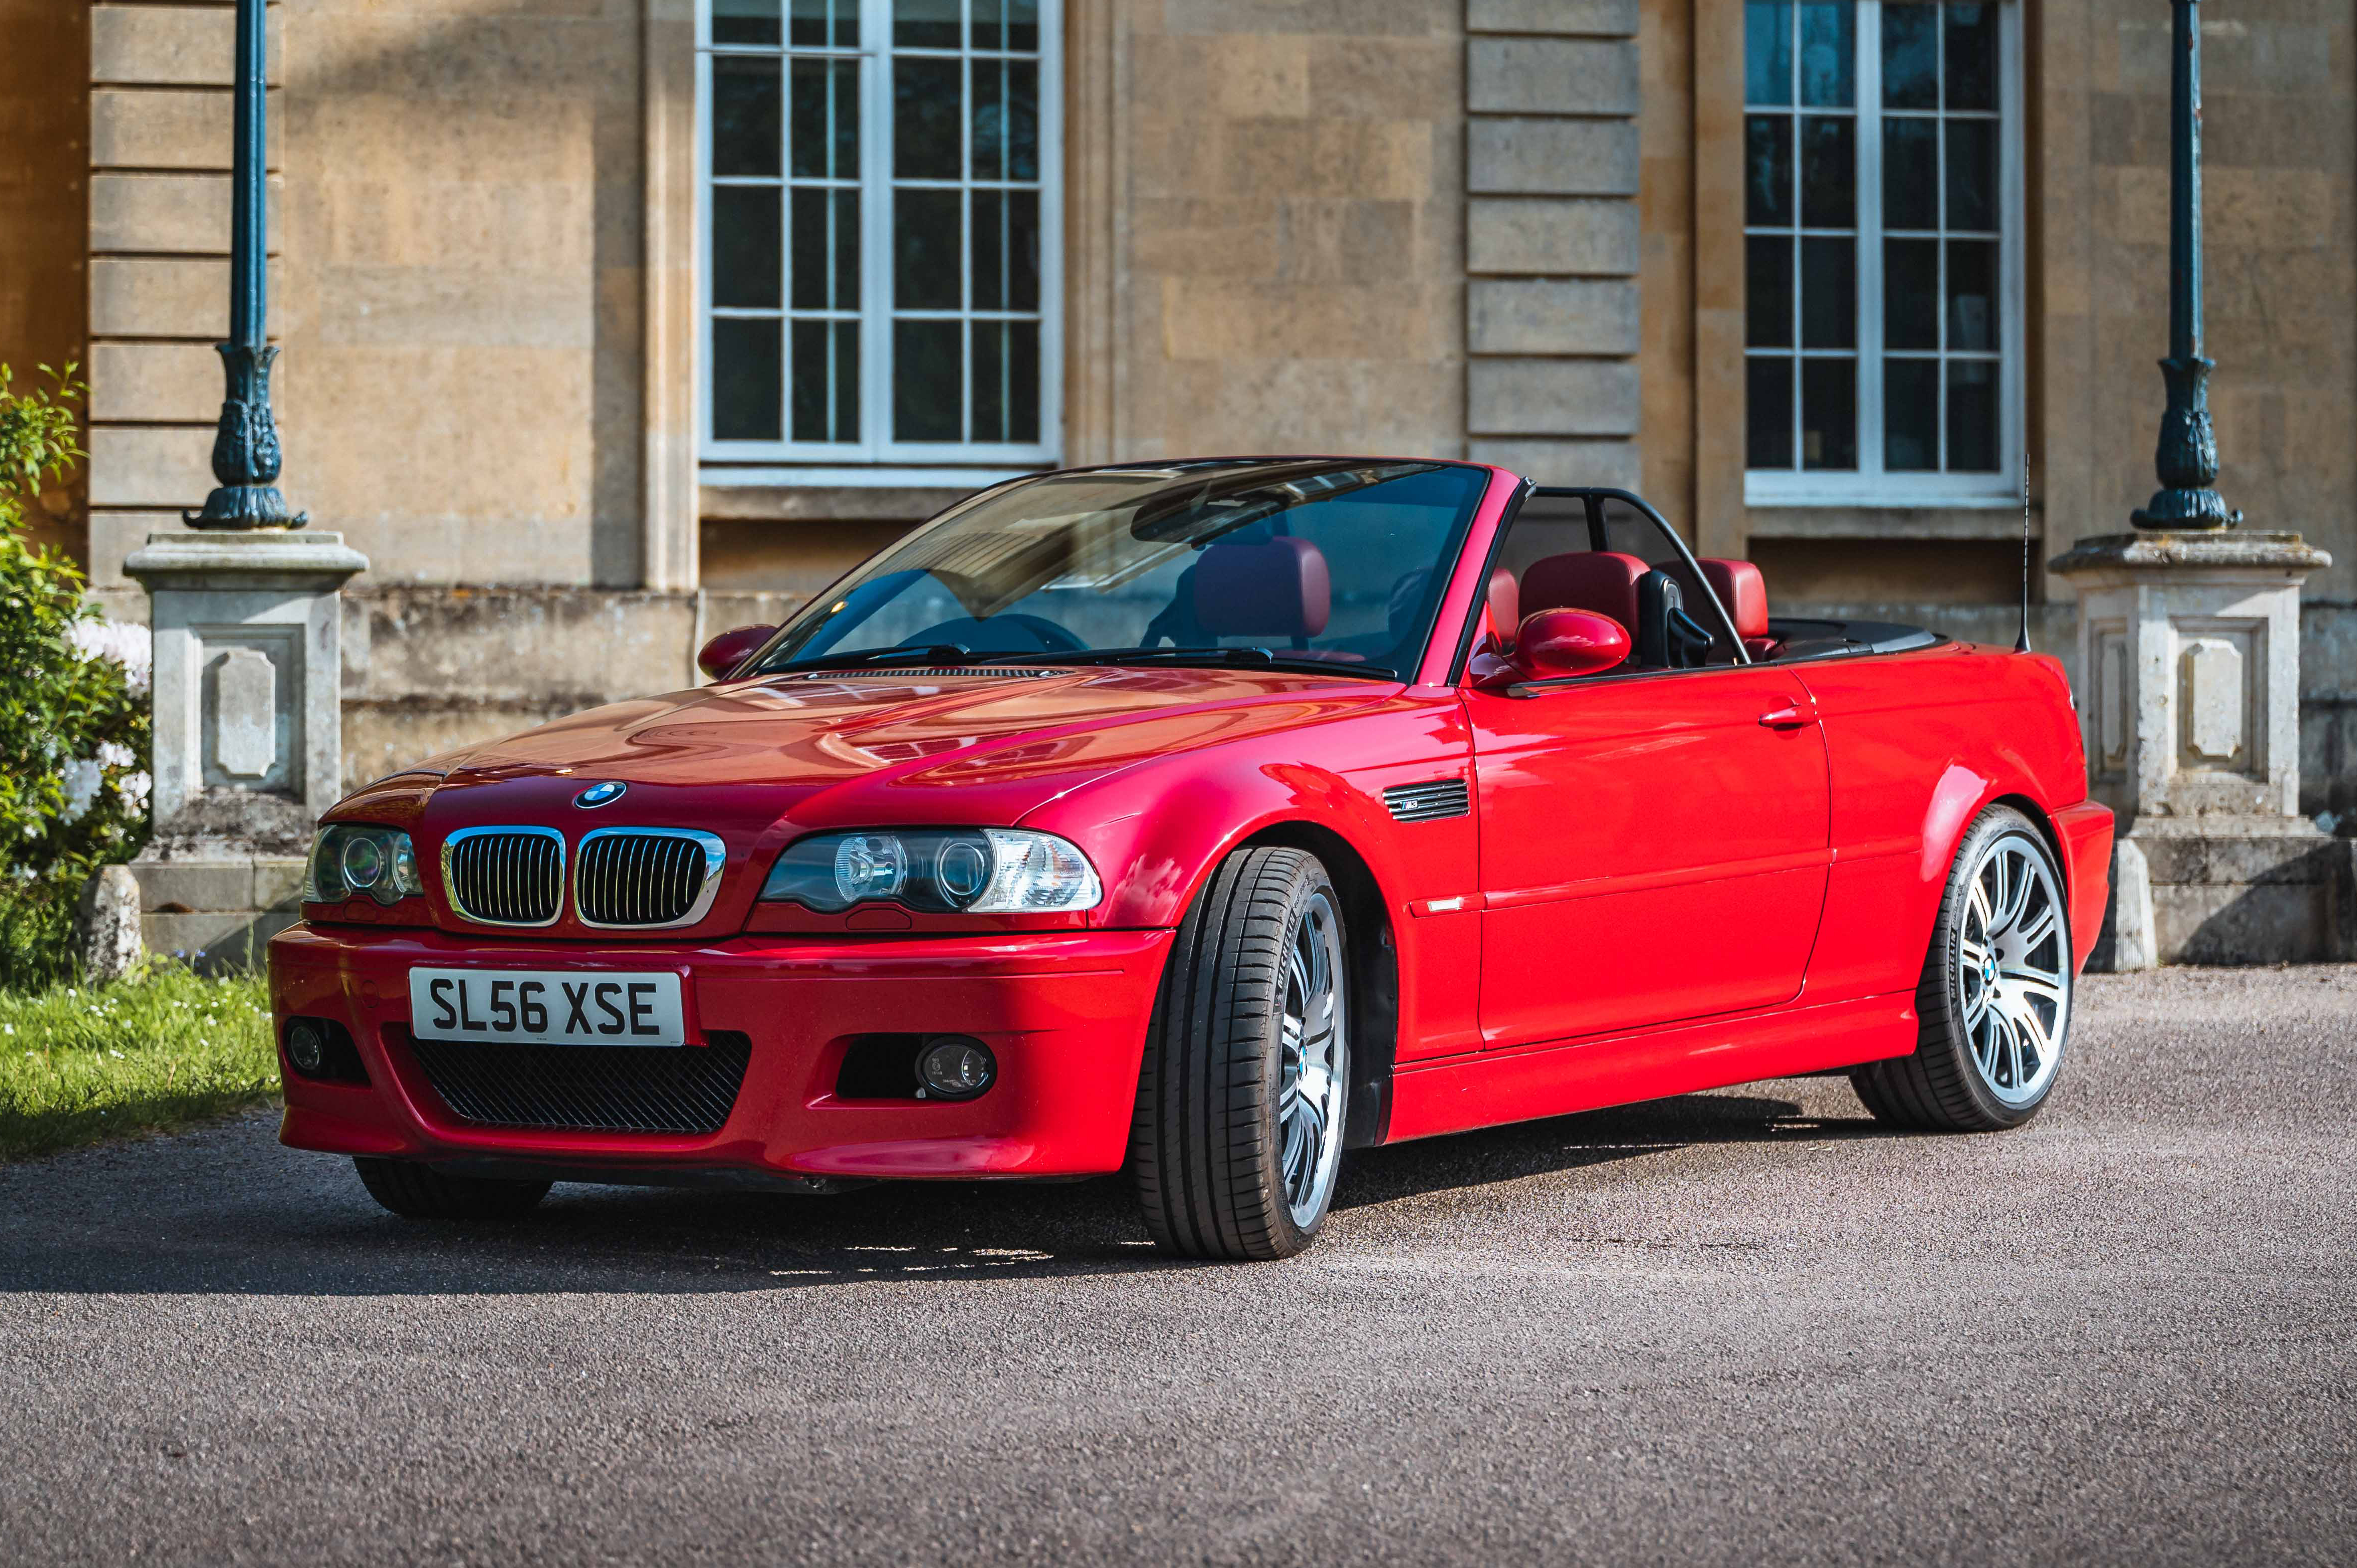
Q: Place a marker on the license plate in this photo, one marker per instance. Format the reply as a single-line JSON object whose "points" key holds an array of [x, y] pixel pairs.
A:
{"points": [[546, 1007]]}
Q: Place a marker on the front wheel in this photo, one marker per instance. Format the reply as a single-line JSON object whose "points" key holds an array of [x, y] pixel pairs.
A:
{"points": [[1241, 1100], [417, 1191], [1995, 999]]}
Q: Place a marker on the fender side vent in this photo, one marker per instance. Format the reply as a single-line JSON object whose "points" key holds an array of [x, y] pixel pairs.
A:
{"points": [[1429, 803]]}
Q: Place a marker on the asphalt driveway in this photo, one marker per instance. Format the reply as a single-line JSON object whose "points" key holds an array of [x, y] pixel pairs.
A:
{"points": [[1725, 1328]]}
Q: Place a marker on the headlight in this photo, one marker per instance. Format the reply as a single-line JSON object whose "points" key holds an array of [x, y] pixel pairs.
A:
{"points": [[979, 871], [352, 858]]}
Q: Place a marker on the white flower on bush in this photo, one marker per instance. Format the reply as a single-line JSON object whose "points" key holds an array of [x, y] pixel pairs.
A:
{"points": [[113, 755], [133, 788], [126, 642], [81, 778]]}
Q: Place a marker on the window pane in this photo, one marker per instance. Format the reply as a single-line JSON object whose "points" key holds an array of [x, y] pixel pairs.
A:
{"points": [[826, 249], [1006, 120], [1911, 294], [1767, 292], [927, 240], [1910, 415], [744, 129], [928, 380], [1006, 381], [1828, 171], [1972, 416], [1972, 175], [1023, 25], [1828, 294], [1829, 414], [744, 21], [1006, 265], [1768, 413], [1767, 51], [925, 24], [826, 119], [1768, 170], [1972, 56], [1911, 174], [821, 24], [1829, 53], [1972, 295], [747, 379], [826, 380], [1910, 54], [928, 108], [744, 246]]}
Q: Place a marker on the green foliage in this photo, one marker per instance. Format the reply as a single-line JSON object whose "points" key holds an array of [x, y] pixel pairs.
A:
{"points": [[73, 727], [79, 1063]]}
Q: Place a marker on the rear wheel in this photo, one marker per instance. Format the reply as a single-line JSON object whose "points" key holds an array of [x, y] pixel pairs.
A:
{"points": [[1995, 999], [417, 1191], [1241, 1102]]}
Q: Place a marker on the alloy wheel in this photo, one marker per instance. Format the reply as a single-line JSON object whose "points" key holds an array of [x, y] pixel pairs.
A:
{"points": [[2013, 974], [1314, 1071]]}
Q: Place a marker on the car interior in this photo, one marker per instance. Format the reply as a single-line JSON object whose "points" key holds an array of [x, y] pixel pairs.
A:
{"points": [[1608, 553]]}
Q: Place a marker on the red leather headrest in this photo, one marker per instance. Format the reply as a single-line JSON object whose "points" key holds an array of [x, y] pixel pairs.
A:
{"points": [[1278, 589], [1744, 592], [1593, 580], [1505, 601]]}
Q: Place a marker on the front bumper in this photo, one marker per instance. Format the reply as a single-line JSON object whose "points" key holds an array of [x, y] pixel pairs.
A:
{"points": [[1065, 1013]]}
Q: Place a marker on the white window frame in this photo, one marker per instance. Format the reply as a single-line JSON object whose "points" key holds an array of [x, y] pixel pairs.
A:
{"points": [[1870, 484], [874, 459]]}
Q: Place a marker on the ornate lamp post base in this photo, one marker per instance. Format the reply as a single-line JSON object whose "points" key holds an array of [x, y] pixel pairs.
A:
{"points": [[2188, 455], [245, 448]]}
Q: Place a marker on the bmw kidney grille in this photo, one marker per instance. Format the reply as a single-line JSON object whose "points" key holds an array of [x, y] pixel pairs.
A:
{"points": [[505, 876], [646, 878]]}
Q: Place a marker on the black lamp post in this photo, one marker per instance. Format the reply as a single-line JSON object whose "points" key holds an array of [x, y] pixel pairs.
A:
{"points": [[245, 449], [2188, 454]]}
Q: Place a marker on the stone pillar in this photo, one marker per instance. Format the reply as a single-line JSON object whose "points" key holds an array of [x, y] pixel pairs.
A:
{"points": [[249, 731], [2188, 659]]}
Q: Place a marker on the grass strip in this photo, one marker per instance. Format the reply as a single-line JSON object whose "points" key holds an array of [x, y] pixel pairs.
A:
{"points": [[154, 1051]]}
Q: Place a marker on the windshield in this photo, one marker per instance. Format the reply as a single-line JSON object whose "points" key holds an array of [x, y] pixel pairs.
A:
{"points": [[1337, 562]]}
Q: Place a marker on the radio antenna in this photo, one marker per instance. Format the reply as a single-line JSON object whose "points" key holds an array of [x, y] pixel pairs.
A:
{"points": [[2021, 642]]}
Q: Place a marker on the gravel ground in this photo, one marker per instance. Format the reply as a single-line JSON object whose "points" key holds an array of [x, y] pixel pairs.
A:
{"points": [[1723, 1328]]}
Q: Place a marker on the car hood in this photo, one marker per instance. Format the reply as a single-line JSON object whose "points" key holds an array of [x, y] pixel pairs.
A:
{"points": [[851, 747]]}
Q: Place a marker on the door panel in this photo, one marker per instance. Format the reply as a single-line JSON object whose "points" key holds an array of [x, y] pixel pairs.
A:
{"points": [[1650, 850]]}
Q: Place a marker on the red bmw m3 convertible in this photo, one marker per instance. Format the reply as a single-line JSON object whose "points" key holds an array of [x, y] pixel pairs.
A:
{"points": [[1202, 821]]}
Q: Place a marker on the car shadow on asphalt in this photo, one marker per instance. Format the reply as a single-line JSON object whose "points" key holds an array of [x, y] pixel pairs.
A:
{"points": [[228, 1211]]}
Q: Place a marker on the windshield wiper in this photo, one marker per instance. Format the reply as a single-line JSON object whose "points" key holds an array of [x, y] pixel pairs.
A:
{"points": [[938, 653], [1257, 658]]}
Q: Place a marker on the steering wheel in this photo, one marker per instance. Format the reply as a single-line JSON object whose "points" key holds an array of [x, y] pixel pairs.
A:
{"points": [[995, 635]]}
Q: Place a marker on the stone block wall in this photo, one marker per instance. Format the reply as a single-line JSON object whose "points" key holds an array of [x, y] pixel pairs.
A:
{"points": [[1552, 243]]}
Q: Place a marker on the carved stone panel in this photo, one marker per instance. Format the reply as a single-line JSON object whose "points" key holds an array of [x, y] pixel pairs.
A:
{"points": [[2219, 688], [250, 722], [2112, 725], [245, 713]]}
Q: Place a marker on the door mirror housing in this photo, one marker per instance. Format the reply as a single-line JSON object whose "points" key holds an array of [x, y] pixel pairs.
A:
{"points": [[1554, 645], [730, 649]]}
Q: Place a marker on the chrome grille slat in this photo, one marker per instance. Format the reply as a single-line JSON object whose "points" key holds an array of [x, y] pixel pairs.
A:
{"points": [[1428, 802], [646, 878], [504, 877]]}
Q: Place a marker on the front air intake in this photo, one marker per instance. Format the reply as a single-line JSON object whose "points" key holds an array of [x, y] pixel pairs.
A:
{"points": [[586, 1088], [642, 878], [1428, 802], [504, 877]]}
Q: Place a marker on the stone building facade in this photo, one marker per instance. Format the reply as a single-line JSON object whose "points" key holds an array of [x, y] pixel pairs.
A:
{"points": [[511, 287]]}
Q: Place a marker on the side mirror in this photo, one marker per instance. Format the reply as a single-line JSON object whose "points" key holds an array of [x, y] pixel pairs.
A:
{"points": [[727, 650], [1556, 644]]}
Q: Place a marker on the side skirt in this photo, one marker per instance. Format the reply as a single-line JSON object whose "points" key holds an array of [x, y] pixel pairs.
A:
{"points": [[1465, 1092]]}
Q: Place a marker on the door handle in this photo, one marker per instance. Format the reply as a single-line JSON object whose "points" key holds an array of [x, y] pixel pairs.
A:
{"points": [[1786, 717]]}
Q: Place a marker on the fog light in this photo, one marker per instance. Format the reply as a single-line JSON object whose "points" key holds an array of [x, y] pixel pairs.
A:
{"points": [[306, 1046], [953, 1067]]}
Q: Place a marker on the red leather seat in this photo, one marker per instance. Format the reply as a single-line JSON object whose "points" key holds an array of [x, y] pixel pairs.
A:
{"points": [[1280, 588], [1744, 592], [1593, 580], [1506, 600]]}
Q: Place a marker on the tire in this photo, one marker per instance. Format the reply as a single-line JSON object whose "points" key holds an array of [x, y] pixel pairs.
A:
{"points": [[1242, 1097], [1996, 1016], [417, 1191]]}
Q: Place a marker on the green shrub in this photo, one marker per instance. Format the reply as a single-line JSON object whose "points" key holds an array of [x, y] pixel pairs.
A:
{"points": [[73, 709]]}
